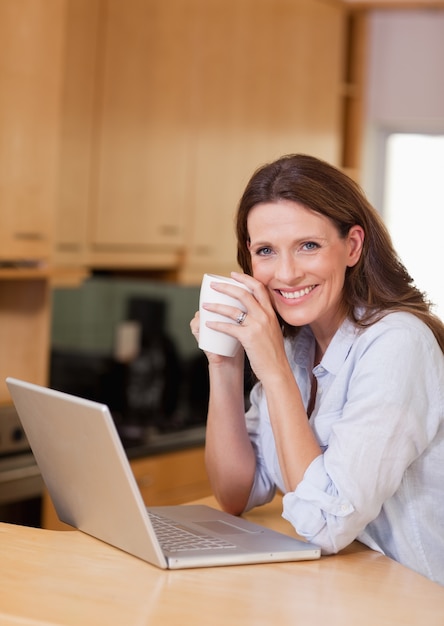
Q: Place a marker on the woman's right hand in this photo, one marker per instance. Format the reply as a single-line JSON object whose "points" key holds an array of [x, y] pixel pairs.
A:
{"points": [[194, 325]]}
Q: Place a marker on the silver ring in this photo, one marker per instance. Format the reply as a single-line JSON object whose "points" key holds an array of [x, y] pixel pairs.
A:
{"points": [[241, 317]]}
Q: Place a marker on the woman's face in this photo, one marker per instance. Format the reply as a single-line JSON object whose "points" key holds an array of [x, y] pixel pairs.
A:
{"points": [[300, 257]]}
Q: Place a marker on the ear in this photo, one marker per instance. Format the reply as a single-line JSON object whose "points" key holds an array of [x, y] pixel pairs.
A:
{"points": [[355, 240]]}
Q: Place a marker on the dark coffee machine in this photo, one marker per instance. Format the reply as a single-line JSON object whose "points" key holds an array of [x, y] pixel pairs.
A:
{"points": [[149, 393]]}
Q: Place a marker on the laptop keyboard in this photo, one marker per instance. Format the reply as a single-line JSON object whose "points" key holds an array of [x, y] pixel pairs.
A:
{"points": [[174, 538]]}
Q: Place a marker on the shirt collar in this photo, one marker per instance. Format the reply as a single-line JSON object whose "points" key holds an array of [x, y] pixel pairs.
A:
{"points": [[336, 353]]}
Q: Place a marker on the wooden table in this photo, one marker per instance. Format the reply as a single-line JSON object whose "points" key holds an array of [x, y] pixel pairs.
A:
{"points": [[54, 577]]}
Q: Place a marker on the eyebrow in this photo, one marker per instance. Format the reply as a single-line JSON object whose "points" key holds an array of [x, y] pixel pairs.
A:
{"points": [[295, 241]]}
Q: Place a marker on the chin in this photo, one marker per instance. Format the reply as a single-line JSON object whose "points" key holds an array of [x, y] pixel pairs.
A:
{"points": [[296, 320]]}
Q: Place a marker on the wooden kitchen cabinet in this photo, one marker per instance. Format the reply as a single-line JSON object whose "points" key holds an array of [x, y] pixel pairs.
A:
{"points": [[355, 79], [268, 83], [172, 478], [178, 106], [78, 95], [24, 327], [169, 478], [32, 40], [142, 167], [32, 36]]}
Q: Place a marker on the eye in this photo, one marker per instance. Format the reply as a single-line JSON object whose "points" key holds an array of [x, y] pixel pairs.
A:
{"points": [[264, 251], [309, 246]]}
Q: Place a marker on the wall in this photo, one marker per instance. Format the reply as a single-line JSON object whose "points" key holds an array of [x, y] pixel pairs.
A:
{"points": [[405, 86], [86, 318]]}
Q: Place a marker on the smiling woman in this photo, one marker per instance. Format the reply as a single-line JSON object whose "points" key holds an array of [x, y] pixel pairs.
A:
{"points": [[304, 264], [348, 359]]}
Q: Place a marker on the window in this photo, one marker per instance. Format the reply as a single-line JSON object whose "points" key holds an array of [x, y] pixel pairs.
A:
{"points": [[413, 208]]}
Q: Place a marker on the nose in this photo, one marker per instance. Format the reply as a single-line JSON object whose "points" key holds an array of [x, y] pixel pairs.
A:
{"points": [[288, 269]]}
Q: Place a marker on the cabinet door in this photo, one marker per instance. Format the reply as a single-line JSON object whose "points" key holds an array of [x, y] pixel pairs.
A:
{"points": [[141, 169], [31, 35], [24, 331], [267, 84], [172, 478], [76, 133]]}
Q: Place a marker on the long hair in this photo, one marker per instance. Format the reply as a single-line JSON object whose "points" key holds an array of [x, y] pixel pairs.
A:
{"points": [[379, 283]]}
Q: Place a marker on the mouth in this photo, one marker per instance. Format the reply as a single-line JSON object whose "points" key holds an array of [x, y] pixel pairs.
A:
{"points": [[295, 295]]}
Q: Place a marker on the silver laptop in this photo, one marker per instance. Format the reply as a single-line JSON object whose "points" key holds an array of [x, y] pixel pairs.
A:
{"points": [[88, 476]]}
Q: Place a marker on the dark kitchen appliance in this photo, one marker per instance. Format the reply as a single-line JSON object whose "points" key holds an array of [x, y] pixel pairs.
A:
{"points": [[160, 390], [21, 485], [152, 379], [12, 437]]}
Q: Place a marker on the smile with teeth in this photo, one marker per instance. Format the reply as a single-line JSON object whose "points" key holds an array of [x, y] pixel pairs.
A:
{"points": [[294, 295]]}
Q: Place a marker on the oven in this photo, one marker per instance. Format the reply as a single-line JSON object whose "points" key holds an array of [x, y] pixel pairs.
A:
{"points": [[21, 484]]}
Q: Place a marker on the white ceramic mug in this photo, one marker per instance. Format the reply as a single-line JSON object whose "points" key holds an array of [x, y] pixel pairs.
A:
{"points": [[212, 340]]}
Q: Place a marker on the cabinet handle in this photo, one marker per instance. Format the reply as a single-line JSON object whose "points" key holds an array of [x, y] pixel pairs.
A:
{"points": [[168, 230], [203, 250], [69, 247], [30, 236]]}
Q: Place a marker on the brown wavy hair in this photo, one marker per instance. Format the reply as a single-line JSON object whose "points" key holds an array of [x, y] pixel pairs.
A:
{"points": [[379, 283]]}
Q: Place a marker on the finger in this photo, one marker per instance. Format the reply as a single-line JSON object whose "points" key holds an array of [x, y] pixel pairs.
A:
{"points": [[240, 319], [194, 325], [256, 288], [224, 310]]}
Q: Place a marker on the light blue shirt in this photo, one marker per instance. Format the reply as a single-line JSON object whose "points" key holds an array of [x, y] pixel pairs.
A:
{"points": [[379, 419]]}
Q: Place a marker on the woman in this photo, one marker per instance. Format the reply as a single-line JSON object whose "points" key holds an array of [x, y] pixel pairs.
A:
{"points": [[347, 416]]}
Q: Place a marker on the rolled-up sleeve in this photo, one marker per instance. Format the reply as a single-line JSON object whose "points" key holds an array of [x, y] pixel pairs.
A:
{"points": [[314, 499]]}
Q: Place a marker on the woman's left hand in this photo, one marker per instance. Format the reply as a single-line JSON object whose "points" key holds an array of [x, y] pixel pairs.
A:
{"points": [[258, 330]]}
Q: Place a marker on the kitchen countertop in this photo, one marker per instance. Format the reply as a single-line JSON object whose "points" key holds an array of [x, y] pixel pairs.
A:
{"points": [[54, 577]]}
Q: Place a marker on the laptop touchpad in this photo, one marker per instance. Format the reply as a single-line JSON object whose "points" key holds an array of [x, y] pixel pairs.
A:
{"points": [[220, 527]]}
